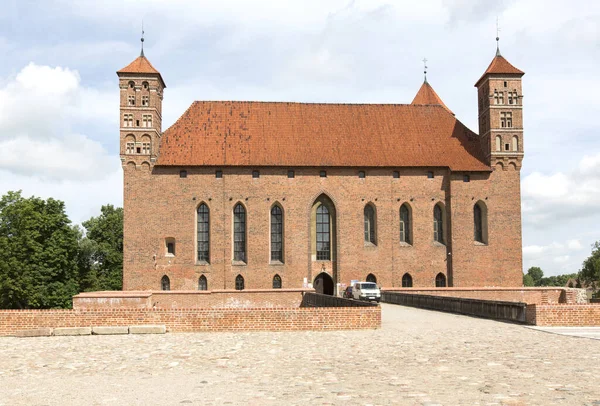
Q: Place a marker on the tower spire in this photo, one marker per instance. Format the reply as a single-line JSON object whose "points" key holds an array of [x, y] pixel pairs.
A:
{"points": [[142, 39], [497, 38], [425, 69]]}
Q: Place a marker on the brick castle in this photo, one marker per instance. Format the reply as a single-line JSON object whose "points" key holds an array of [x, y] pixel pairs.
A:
{"points": [[247, 195]]}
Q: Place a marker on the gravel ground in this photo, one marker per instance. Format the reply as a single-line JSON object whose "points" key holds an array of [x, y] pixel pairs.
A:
{"points": [[418, 357]]}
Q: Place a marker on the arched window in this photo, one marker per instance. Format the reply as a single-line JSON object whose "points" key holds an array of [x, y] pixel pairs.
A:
{"points": [[480, 222], [498, 143], [165, 283], [203, 233], [370, 224], [239, 234], [515, 143], [407, 281], [323, 235], [405, 224], [438, 224], [239, 282], [371, 278], [440, 280], [202, 283], [276, 234], [277, 282]]}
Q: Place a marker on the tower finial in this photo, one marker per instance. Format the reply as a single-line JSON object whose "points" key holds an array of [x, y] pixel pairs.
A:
{"points": [[142, 53], [425, 68], [497, 38]]}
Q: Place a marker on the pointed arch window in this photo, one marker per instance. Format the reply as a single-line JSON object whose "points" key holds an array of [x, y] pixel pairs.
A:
{"points": [[276, 234], [323, 234], [480, 223], [440, 280], [239, 234], [498, 143], [405, 224], [202, 283], [277, 282], [239, 282], [515, 143], [165, 283], [407, 281], [371, 278], [438, 224], [370, 226], [203, 233]]}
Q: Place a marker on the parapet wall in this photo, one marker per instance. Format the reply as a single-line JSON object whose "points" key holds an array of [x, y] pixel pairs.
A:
{"points": [[565, 315], [536, 295], [197, 320], [191, 299]]}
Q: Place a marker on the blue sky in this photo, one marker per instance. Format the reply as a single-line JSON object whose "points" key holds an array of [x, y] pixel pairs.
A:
{"points": [[59, 95]]}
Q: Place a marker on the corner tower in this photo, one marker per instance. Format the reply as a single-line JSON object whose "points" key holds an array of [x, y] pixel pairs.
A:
{"points": [[500, 105], [141, 93]]}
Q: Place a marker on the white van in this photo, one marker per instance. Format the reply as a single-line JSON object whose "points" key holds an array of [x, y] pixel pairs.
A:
{"points": [[366, 291]]}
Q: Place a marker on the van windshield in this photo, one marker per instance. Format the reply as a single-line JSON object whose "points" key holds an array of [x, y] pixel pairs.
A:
{"points": [[368, 285]]}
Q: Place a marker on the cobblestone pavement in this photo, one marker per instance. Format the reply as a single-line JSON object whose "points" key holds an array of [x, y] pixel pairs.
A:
{"points": [[418, 357], [587, 332]]}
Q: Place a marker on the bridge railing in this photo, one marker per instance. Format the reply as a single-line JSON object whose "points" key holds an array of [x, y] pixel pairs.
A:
{"points": [[489, 309]]}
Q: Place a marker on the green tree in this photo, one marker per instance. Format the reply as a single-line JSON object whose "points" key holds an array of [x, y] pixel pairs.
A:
{"points": [[528, 280], [590, 270], [536, 274], [38, 252], [100, 259]]}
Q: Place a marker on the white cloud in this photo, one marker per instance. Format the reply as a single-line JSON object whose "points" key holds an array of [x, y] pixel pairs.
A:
{"points": [[38, 108]]}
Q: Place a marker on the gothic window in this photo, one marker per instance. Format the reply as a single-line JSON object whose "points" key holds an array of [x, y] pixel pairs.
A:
{"points": [[515, 143], [509, 120], [440, 280], [131, 84], [239, 234], [128, 120], [407, 281], [165, 283], [130, 148], [480, 222], [371, 278], [145, 101], [239, 282], [146, 148], [323, 235], [498, 143], [276, 234], [505, 119], [203, 233], [370, 224], [501, 97], [277, 282], [496, 97], [131, 100], [438, 224], [405, 224], [202, 283]]}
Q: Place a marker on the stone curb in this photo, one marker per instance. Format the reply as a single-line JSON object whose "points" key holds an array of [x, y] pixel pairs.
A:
{"points": [[35, 332], [110, 330], [72, 331], [148, 329]]}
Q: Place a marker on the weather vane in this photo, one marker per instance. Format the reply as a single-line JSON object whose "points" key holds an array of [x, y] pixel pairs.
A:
{"points": [[142, 53], [425, 68], [497, 37]]}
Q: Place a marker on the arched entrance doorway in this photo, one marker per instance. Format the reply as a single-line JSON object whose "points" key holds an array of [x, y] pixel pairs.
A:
{"points": [[323, 284]]}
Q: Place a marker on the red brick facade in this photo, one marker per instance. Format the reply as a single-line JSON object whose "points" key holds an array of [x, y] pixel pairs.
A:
{"points": [[567, 315], [160, 203]]}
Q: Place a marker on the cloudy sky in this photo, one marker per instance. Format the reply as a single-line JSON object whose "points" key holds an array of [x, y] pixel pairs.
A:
{"points": [[59, 96]]}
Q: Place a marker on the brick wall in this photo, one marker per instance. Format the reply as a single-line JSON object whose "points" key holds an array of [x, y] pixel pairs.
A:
{"points": [[158, 204], [216, 299], [564, 315], [197, 320], [524, 295]]}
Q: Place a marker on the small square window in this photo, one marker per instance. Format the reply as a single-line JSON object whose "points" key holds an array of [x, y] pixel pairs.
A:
{"points": [[291, 174], [218, 174], [171, 248], [323, 174], [183, 174], [138, 150], [466, 178], [396, 175], [137, 123], [507, 147], [505, 84], [255, 174], [430, 175], [361, 174]]}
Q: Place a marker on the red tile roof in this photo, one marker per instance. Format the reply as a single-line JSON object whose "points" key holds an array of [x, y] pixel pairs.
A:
{"points": [[225, 133], [141, 65], [427, 96], [500, 65]]}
